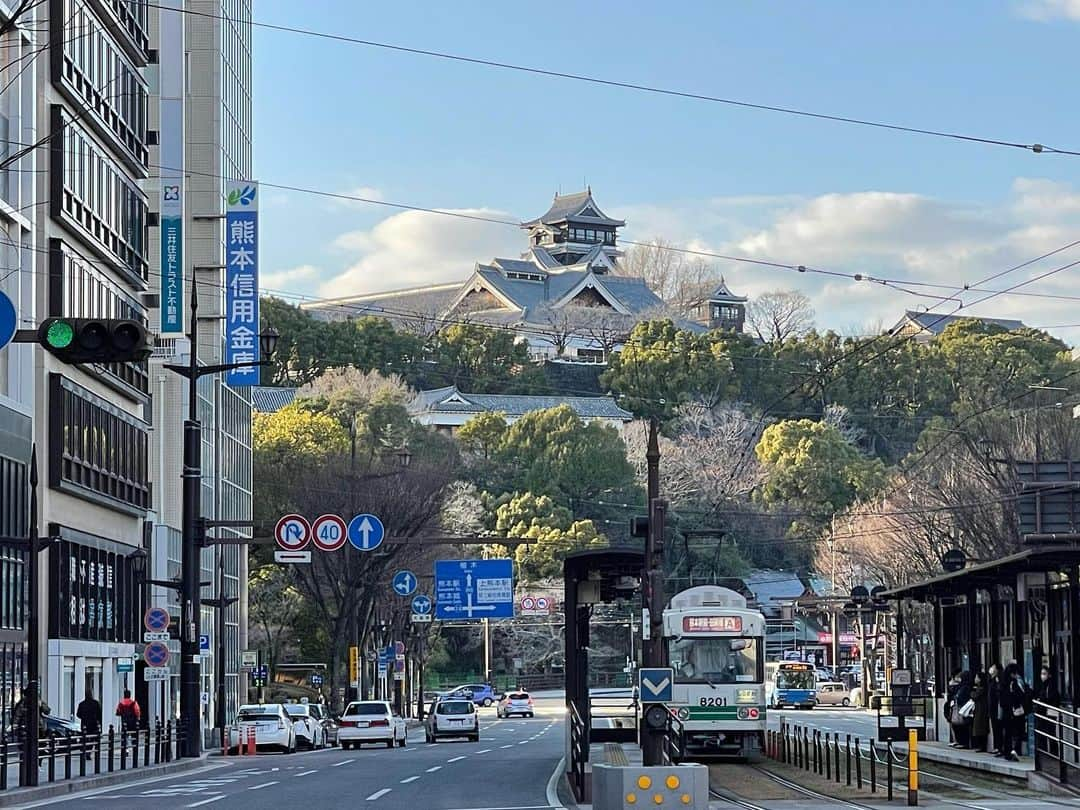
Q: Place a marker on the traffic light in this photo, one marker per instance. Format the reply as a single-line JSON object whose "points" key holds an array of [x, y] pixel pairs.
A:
{"points": [[95, 340]]}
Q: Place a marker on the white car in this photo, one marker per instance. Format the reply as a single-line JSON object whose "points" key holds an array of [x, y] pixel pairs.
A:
{"points": [[370, 721], [308, 727], [271, 725], [452, 717], [515, 703]]}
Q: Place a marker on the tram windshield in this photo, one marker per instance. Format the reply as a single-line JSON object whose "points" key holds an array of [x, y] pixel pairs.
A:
{"points": [[715, 660]]}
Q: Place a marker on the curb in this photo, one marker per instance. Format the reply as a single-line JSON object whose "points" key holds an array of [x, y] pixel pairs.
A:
{"points": [[17, 796]]}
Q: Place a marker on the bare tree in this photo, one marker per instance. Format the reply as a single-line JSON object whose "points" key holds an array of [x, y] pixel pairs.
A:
{"points": [[683, 281], [779, 315]]}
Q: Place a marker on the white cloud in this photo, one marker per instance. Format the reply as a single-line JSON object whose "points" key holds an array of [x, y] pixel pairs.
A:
{"points": [[292, 277], [1050, 9], [415, 248]]}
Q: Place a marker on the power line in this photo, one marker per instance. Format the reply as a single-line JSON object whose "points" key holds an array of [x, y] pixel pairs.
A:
{"points": [[644, 88]]}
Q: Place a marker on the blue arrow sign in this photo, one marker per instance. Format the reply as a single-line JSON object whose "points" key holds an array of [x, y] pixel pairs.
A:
{"points": [[655, 684], [404, 583], [366, 532], [421, 604], [8, 320], [470, 590]]}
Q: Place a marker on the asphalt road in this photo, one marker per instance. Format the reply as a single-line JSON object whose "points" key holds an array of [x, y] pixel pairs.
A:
{"points": [[509, 769]]}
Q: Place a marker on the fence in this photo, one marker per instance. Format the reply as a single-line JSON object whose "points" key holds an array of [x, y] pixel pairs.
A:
{"points": [[872, 766], [63, 756], [1057, 743]]}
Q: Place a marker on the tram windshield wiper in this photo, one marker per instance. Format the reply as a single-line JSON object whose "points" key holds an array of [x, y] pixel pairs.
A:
{"points": [[709, 682]]}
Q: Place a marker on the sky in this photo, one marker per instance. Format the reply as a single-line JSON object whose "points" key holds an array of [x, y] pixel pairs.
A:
{"points": [[421, 131]]}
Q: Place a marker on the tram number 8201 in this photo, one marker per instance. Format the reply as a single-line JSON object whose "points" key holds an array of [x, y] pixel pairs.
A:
{"points": [[712, 701]]}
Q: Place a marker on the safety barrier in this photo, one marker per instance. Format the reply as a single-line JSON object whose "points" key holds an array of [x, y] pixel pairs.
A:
{"points": [[245, 741], [1057, 743], [814, 751], [62, 756]]}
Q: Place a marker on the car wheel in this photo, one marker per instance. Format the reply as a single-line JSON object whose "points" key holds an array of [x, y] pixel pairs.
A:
{"points": [[846, 702], [531, 714], [390, 743], [344, 746], [487, 702], [474, 737]]}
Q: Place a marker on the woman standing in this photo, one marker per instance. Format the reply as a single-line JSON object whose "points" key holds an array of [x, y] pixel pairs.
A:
{"points": [[961, 724], [1046, 693], [980, 718], [1017, 701]]}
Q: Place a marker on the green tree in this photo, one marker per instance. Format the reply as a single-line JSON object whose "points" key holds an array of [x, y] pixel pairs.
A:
{"points": [[662, 367], [552, 530], [555, 452], [481, 359], [484, 433], [295, 433]]}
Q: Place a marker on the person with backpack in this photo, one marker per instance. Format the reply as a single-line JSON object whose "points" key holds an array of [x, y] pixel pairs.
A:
{"points": [[1018, 704], [129, 712]]}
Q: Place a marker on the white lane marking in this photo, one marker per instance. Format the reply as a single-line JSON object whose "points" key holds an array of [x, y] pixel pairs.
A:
{"points": [[523, 742], [208, 801], [343, 762], [410, 779], [551, 793], [305, 773], [483, 750], [264, 784], [455, 759], [377, 794], [506, 746], [436, 768]]}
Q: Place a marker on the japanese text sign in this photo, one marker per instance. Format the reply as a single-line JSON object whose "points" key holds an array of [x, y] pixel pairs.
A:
{"points": [[242, 281]]}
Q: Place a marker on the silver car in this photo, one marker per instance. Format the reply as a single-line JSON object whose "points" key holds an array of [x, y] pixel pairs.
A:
{"points": [[518, 702]]}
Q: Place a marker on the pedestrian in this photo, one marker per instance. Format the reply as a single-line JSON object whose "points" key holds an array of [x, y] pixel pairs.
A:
{"points": [[994, 695], [980, 717], [1018, 702], [1046, 693], [958, 696], [89, 714], [129, 712]]}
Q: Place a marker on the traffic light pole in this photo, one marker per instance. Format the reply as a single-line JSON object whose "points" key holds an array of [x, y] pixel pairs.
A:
{"points": [[653, 650]]}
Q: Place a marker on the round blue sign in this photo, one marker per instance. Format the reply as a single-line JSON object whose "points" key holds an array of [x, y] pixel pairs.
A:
{"points": [[8, 320], [366, 532], [156, 619], [421, 604], [404, 583]]}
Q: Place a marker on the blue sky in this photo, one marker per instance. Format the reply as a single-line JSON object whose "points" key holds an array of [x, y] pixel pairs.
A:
{"points": [[428, 132]]}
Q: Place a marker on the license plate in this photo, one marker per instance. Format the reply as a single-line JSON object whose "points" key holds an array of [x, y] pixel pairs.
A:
{"points": [[459, 722], [265, 726], [361, 723]]}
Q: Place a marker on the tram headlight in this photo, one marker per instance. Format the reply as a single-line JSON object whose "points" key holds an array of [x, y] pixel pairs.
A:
{"points": [[751, 713], [683, 713], [746, 696]]}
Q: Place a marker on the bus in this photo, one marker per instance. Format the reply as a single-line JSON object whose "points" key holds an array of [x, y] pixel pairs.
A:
{"points": [[790, 683]]}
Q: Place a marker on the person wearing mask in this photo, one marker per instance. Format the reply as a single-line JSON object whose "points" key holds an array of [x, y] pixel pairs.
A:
{"points": [[129, 712], [959, 694], [980, 717], [993, 705], [1046, 692], [1018, 702]]}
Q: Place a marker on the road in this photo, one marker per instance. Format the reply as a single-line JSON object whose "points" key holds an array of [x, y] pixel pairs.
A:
{"points": [[509, 769]]}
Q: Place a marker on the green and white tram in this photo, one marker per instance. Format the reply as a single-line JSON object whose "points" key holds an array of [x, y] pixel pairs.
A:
{"points": [[716, 647]]}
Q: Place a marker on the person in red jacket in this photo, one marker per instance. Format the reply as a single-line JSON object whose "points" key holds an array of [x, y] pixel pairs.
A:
{"points": [[129, 712]]}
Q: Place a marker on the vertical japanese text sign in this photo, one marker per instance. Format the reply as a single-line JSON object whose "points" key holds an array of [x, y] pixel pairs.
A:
{"points": [[171, 140], [242, 281]]}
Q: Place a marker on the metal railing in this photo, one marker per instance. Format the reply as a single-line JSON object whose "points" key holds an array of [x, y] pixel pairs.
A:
{"points": [[579, 754], [619, 717], [1057, 742], [673, 746], [66, 756], [848, 760]]}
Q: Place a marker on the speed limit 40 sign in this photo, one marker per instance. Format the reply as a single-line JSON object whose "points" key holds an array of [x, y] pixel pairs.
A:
{"points": [[329, 533]]}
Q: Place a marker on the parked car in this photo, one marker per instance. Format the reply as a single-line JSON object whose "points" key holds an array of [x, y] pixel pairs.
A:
{"points": [[515, 703], [273, 728], [482, 694], [875, 695], [832, 693], [452, 717], [327, 721], [370, 721], [309, 730]]}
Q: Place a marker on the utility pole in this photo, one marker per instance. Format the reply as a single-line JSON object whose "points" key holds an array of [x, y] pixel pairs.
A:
{"points": [[653, 650]]}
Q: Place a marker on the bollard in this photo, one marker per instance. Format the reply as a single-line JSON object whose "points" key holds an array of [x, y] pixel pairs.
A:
{"points": [[913, 769], [112, 744], [251, 741], [847, 758], [52, 759], [226, 738], [146, 748], [888, 768], [97, 753], [815, 751], [836, 757], [135, 750], [873, 767], [82, 755], [828, 759], [858, 764], [806, 750], [67, 756], [157, 743], [3, 761]]}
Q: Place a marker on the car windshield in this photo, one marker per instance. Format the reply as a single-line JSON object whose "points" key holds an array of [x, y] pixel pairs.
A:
{"points": [[714, 660], [296, 711], [518, 696], [454, 707], [795, 679], [367, 708]]}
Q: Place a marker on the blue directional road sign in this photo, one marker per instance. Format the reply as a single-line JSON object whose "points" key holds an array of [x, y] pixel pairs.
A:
{"points": [[366, 532], [8, 320], [316, 680], [655, 684], [470, 590], [404, 583], [421, 604]]}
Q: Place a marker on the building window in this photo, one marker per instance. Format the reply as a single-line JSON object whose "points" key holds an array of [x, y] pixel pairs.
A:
{"points": [[91, 192], [79, 289], [590, 355], [93, 71], [131, 16], [726, 314], [96, 450]]}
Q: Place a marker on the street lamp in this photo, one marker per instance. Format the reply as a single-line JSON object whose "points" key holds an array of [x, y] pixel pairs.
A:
{"points": [[404, 455], [193, 527]]}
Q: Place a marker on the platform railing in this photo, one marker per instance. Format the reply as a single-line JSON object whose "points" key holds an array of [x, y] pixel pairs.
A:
{"points": [[1057, 743], [579, 753]]}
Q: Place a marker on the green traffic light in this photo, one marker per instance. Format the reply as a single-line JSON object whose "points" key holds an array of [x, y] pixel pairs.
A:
{"points": [[60, 334]]}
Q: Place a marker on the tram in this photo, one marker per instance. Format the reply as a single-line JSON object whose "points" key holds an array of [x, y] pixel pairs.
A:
{"points": [[716, 648]]}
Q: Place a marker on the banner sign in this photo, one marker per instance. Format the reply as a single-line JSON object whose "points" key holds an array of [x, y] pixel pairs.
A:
{"points": [[242, 281], [171, 142]]}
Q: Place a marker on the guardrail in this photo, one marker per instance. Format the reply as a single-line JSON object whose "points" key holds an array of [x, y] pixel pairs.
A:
{"points": [[622, 711], [871, 766], [579, 754], [70, 755], [1057, 742]]}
